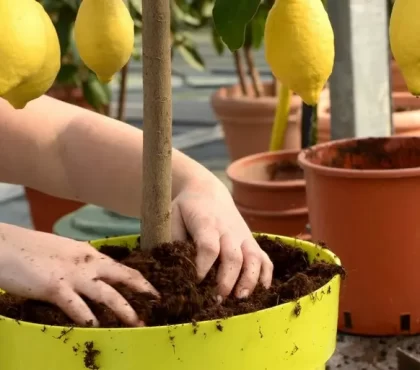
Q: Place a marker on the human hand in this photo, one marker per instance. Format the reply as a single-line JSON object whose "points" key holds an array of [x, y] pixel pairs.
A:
{"points": [[59, 270], [205, 210]]}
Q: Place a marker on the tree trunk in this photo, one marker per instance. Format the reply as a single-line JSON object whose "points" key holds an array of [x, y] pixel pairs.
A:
{"points": [[122, 95], [253, 72], [157, 124], [240, 72]]}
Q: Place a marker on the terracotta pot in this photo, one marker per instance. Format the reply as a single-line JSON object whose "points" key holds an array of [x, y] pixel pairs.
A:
{"points": [[397, 79], [46, 210], [406, 116], [364, 200], [247, 121], [275, 207]]}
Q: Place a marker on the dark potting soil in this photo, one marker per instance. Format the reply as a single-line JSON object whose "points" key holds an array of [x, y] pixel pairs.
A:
{"points": [[284, 171], [372, 154], [171, 270]]}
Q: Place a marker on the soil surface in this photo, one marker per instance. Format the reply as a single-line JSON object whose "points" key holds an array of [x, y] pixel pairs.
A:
{"points": [[171, 270], [285, 171], [371, 154]]}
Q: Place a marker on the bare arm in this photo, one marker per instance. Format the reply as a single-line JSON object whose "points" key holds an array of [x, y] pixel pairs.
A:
{"points": [[73, 153]]}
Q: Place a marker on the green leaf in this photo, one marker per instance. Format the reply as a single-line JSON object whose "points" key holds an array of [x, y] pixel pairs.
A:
{"points": [[184, 16], [68, 75], [64, 27], [258, 26], [217, 42], [96, 94], [190, 54], [231, 18]]}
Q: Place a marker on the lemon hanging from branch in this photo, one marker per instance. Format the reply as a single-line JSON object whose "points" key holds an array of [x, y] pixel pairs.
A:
{"points": [[299, 46], [404, 35], [104, 35], [29, 51]]}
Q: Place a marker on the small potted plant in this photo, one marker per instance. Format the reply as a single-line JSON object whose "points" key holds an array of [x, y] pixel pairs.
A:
{"points": [[303, 301], [247, 109]]}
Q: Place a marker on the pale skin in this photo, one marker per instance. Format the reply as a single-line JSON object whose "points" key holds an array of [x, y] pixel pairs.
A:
{"points": [[73, 153]]}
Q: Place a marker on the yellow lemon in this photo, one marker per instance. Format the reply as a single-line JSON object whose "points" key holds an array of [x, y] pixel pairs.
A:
{"points": [[104, 35], [22, 44], [299, 46], [37, 84], [404, 35]]}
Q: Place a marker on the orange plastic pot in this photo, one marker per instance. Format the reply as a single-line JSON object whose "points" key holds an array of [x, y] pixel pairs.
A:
{"points": [[364, 203], [247, 120], [270, 206], [46, 210], [406, 116]]}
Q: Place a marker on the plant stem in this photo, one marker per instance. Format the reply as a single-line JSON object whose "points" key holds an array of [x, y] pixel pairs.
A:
{"points": [[314, 125], [253, 72], [123, 93], [281, 119], [240, 72], [157, 124]]}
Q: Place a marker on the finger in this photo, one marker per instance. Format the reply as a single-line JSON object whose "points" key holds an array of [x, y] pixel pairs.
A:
{"points": [[231, 259], [267, 269], [208, 249], [101, 292], [251, 268], [179, 231], [74, 307], [114, 273]]}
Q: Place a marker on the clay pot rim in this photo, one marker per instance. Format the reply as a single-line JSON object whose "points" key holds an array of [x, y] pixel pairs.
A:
{"points": [[287, 213], [306, 164], [231, 171]]}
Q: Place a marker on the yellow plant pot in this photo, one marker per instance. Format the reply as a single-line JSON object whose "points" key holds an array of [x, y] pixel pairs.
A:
{"points": [[271, 339]]}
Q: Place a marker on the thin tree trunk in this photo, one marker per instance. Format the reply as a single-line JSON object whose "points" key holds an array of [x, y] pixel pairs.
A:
{"points": [[253, 72], [240, 72], [123, 93], [157, 124]]}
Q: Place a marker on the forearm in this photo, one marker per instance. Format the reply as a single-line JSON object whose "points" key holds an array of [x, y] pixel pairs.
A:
{"points": [[77, 154]]}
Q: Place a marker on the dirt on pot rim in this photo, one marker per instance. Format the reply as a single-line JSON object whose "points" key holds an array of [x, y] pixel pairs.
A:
{"points": [[383, 157]]}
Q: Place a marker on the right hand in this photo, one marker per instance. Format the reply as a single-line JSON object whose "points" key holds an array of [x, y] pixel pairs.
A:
{"points": [[58, 270]]}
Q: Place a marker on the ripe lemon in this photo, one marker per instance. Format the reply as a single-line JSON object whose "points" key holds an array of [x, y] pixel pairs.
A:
{"points": [[38, 83], [299, 46], [404, 35], [22, 45], [104, 35]]}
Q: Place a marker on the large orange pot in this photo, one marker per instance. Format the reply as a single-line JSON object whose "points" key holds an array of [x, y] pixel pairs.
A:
{"points": [[247, 121], [271, 206], [364, 201], [405, 117]]}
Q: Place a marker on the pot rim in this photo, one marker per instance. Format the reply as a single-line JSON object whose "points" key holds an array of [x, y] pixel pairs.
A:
{"points": [[306, 164], [265, 184]]}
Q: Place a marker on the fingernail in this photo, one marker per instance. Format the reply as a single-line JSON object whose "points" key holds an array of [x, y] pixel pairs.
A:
{"points": [[219, 299], [140, 324], [244, 294]]}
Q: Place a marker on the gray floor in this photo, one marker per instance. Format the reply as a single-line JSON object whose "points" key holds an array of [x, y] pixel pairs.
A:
{"points": [[197, 133]]}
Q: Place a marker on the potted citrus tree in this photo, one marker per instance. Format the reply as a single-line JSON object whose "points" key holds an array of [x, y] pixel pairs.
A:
{"points": [[299, 311], [269, 187]]}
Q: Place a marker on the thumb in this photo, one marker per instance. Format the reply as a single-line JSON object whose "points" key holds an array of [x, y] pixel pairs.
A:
{"points": [[179, 231]]}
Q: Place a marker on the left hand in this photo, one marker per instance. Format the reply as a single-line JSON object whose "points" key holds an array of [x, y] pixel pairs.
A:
{"points": [[206, 211]]}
